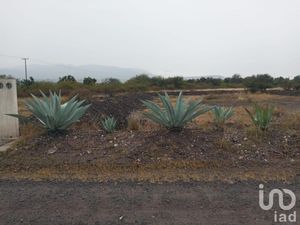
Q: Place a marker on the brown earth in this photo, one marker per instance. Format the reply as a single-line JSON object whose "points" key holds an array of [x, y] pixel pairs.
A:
{"points": [[200, 152], [77, 203]]}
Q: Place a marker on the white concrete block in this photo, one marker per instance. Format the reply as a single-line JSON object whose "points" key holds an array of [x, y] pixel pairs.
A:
{"points": [[9, 126]]}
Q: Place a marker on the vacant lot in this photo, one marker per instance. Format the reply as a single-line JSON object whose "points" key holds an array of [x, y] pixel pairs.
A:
{"points": [[143, 151]]}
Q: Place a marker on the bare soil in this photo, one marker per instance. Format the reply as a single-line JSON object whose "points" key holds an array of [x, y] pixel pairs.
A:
{"points": [[200, 152], [77, 203]]}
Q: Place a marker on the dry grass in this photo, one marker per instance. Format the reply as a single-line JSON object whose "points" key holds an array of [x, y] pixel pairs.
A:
{"points": [[166, 172]]}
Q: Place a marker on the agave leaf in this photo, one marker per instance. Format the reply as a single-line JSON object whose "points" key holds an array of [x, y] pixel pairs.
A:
{"points": [[174, 118]]}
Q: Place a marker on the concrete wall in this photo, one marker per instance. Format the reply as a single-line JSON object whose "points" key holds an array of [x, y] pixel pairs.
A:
{"points": [[9, 126]]}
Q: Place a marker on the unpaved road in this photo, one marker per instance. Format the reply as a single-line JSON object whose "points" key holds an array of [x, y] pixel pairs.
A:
{"points": [[70, 203]]}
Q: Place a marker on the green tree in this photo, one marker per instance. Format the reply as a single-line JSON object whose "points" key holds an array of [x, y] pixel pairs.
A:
{"points": [[69, 78], [259, 82], [89, 80]]}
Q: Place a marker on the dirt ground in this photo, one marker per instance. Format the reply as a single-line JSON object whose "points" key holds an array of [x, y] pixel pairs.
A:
{"points": [[200, 152], [76, 203]]}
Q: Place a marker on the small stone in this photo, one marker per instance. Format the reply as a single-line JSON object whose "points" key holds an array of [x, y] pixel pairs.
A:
{"points": [[110, 142], [52, 150], [115, 145], [241, 157], [292, 160], [245, 138]]}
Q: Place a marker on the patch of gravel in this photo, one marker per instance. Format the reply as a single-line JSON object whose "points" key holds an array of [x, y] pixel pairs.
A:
{"points": [[4, 141]]}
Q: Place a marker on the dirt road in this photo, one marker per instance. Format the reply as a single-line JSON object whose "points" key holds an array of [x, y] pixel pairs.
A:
{"points": [[51, 203]]}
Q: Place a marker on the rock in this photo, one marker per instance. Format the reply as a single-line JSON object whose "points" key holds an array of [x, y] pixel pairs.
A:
{"points": [[115, 145], [52, 150], [245, 138]]}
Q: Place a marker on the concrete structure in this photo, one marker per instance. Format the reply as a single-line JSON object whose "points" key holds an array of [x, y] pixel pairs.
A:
{"points": [[9, 126]]}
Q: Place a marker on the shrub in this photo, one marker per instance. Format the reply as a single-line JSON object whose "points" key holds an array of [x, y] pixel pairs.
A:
{"points": [[176, 118], [262, 116], [67, 78], [296, 82], [109, 124], [133, 122], [259, 82], [28, 82], [53, 115], [221, 114], [89, 81]]}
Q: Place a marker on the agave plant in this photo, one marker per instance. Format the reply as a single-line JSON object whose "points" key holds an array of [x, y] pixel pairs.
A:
{"points": [[174, 118], [262, 116], [109, 124], [221, 114], [52, 114]]}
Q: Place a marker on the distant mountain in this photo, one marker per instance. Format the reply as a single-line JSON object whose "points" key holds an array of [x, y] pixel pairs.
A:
{"points": [[53, 72]]}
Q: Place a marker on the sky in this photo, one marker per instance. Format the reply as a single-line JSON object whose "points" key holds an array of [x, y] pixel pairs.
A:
{"points": [[164, 37]]}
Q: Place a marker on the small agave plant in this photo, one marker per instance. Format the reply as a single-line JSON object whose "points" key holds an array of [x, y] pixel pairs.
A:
{"points": [[52, 114], [174, 118], [262, 116], [221, 114], [109, 124]]}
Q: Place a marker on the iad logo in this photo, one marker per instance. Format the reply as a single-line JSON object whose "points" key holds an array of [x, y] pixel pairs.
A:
{"points": [[283, 217]]}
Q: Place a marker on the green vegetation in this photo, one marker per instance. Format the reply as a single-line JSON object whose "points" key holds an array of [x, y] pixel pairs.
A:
{"points": [[144, 82], [52, 114], [68, 78], [262, 116], [174, 118], [109, 124], [89, 81], [221, 114]]}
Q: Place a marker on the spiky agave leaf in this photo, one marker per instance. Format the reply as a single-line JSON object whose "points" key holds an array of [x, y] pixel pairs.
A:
{"points": [[262, 116], [221, 114], [109, 124], [53, 115], [174, 118]]}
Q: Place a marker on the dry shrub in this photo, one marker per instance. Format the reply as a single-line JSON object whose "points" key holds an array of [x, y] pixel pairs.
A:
{"points": [[224, 144], [137, 121], [134, 121], [291, 121]]}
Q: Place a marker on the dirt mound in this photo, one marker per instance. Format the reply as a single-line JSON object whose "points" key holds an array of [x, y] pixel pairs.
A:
{"points": [[119, 107]]}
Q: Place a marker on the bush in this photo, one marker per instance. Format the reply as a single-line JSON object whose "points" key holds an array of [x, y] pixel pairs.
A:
{"points": [[176, 118], [89, 81], [296, 82], [259, 82], [69, 78]]}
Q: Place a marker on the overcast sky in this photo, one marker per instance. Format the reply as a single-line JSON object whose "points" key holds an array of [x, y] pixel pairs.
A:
{"points": [[182, 37]]}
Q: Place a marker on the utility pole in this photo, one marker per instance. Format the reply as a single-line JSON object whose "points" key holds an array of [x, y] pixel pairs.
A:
{"points": [[25, 60]]}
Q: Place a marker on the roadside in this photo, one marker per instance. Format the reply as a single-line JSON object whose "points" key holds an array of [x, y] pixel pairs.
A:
{"points": [[70, 203]]}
